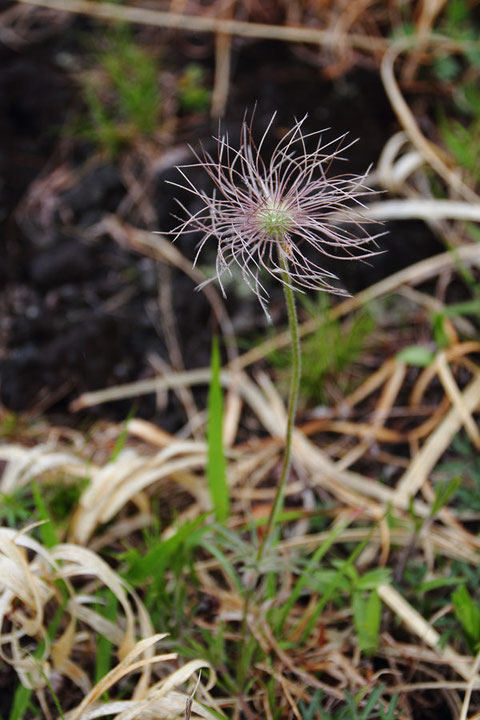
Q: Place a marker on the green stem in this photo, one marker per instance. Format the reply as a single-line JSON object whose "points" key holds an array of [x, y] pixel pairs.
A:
{"points": [[292, 407], [287, 458]]}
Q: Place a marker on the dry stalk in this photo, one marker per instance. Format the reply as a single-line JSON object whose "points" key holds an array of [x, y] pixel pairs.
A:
{"points": [[200, 23], [435, 446], [420, 627], [429, 152]]}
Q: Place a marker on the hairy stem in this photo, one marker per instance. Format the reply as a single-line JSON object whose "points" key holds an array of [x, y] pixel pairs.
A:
{"points": [[292, 407], [287, 458]]}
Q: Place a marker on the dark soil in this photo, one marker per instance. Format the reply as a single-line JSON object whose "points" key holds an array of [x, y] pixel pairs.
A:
{"points": [[81, 312]]}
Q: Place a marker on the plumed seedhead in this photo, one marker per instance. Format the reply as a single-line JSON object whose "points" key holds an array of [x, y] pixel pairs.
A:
{"points": [[264, 214]]}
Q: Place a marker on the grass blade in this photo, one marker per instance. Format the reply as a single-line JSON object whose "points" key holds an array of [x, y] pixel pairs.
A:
{"points": [[216, 466], [47, 529]]}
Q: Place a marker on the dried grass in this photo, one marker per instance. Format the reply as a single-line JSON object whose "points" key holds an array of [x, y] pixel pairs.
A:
{"points": [[34, 580]]}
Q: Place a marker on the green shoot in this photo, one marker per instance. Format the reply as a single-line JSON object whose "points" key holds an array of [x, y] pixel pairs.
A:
{"points": [[193, 95]]}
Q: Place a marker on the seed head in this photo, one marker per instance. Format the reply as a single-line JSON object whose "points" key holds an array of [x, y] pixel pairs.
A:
{"points": [[264, 214]]}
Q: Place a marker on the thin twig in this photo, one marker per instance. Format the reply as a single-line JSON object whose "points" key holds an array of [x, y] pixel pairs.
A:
{"points": [[198, 23]]}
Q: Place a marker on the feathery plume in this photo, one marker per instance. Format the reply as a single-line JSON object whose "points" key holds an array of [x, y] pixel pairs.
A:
{"points": [[263, 214]]}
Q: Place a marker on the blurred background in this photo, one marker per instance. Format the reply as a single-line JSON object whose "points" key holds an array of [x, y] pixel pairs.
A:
{"points": [[100, 100]]}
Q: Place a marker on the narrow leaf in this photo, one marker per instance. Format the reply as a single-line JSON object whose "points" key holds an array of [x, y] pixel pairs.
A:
{"points": [[216, 467], [47, 529], [416, 355], [366, 617]]}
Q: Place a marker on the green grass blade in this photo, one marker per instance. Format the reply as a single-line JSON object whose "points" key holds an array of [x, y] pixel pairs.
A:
{"points": [[54, 696], [216, 466], [224, 562], [371, 702], [214, 714], [47, 529], [103, 658], [154, 561], [21, 700], [22, 695]]}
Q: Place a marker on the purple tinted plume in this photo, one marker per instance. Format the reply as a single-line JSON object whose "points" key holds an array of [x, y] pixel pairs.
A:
{"points": [[263, 213]]}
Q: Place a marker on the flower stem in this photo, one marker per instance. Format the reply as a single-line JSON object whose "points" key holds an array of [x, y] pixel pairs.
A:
{"points": [[287, 458], [292, 407]]}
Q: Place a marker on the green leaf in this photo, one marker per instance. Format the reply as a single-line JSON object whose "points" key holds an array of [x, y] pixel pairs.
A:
{"points": [[416, 355], [309, 571], [21, 700], [438, 326], [193, 95], [468, 98], [225, 562], [467, 612], [373, 578], [372, 701], [443, 492], [216, 466], [154, 562], [389, 713], [438, 583], [342, 571], [367, 613], [209, 711], [457, 12], [469, 307]]}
